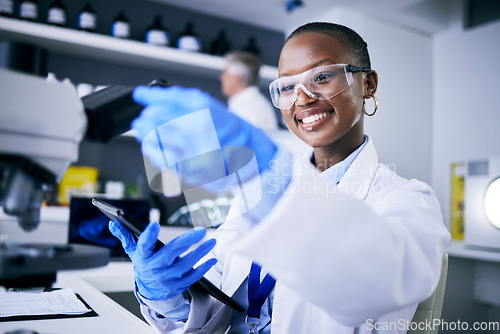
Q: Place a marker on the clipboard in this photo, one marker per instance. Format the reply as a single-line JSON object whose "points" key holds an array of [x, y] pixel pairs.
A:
{"points": [[90, 313]]}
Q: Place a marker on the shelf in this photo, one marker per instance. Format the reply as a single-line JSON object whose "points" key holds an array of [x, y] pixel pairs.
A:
{"points": [[459, 249], [101, 47]]}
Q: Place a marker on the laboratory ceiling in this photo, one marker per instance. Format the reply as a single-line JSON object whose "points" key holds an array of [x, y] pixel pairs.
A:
{"points": [[426, 16]]}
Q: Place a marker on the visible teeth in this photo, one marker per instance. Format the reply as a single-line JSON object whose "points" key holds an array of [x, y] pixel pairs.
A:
{"points": [[314, 118]]}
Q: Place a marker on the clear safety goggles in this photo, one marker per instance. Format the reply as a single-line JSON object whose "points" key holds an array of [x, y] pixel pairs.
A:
{"points": [[322, 82]]}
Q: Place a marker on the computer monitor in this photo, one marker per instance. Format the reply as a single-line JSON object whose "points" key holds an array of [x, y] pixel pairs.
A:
{"points": [[88, 225]]}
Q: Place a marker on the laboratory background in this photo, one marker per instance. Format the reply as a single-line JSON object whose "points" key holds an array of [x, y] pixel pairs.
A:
{"points": [[438, 119]]}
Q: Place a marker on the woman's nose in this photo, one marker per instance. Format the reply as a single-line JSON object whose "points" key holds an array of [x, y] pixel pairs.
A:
{"points": [[303, 96]]}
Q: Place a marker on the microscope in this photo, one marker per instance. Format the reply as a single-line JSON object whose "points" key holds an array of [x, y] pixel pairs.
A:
{"points": [[41, 126]]}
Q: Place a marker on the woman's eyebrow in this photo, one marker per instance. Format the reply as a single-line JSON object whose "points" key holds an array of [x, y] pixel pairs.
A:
{"points": [[322, 61], [316, 64]]}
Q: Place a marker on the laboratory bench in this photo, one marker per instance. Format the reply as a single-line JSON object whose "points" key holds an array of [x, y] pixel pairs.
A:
{"points": [[482, 266], [460, 250], [472, 289], [95, 286], [112, 317]]}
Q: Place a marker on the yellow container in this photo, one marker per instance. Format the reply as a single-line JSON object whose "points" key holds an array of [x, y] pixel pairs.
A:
{"points": [[78, 181], [457, 200]]}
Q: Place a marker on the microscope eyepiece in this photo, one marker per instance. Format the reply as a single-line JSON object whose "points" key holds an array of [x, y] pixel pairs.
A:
{"points": [[111, 110]]}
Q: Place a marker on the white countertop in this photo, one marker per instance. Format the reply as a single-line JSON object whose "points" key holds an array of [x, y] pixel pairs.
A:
{"points": [[460, 250], [112, 318], [91, 284]]}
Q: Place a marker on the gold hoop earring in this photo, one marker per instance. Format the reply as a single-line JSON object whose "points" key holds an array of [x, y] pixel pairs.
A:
{"points": [[374, 110]]}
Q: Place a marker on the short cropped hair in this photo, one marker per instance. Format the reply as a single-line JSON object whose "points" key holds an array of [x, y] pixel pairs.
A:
{"points": [[245, 64], [355, 45]]}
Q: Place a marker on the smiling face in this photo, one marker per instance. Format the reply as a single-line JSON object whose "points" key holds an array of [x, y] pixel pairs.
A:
{"points": [[333, 127]]}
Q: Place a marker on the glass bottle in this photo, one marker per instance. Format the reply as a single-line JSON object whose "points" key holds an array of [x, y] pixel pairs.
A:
{"points": [[87, 19], [252, 46], [121, 26], [57, 14], [156, 34], [6, 8], [28, 10], [220, 46], [189, 40]]}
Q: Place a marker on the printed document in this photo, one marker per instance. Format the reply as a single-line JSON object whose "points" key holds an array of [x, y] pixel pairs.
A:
{"points": [[21, 303]]}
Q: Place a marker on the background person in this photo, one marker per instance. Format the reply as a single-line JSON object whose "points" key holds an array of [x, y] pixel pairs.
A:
{"points": [[347, 240], [239, 80]]}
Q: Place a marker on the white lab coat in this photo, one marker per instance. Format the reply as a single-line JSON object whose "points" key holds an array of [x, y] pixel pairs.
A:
{"points": [[345, 257], [252, 106]]}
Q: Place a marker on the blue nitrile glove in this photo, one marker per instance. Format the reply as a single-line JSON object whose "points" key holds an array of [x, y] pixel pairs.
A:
{"points": [[193, 127], [165, 273]]}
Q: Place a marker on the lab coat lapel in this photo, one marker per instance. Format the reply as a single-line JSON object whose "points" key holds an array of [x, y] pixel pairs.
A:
{"points": [[229, 233], [240, 268], [360, 175], [356, 182]]}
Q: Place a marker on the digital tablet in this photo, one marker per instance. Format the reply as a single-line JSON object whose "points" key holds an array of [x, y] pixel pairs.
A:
{"points": [[137, 228]]}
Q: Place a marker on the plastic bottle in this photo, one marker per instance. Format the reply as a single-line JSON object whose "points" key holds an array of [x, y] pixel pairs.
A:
{"points": [[220, 46], [188, 40], [121, 26], [6, 8], [157, 34], [57, 14], [87, 19], [252, 46], [28, 10]]}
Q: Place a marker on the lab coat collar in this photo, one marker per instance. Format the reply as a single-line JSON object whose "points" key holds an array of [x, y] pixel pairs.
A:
{"points": [[359, 176]]}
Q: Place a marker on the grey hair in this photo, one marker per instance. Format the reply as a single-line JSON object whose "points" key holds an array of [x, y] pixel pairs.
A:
{"points": [[245, 64]]}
